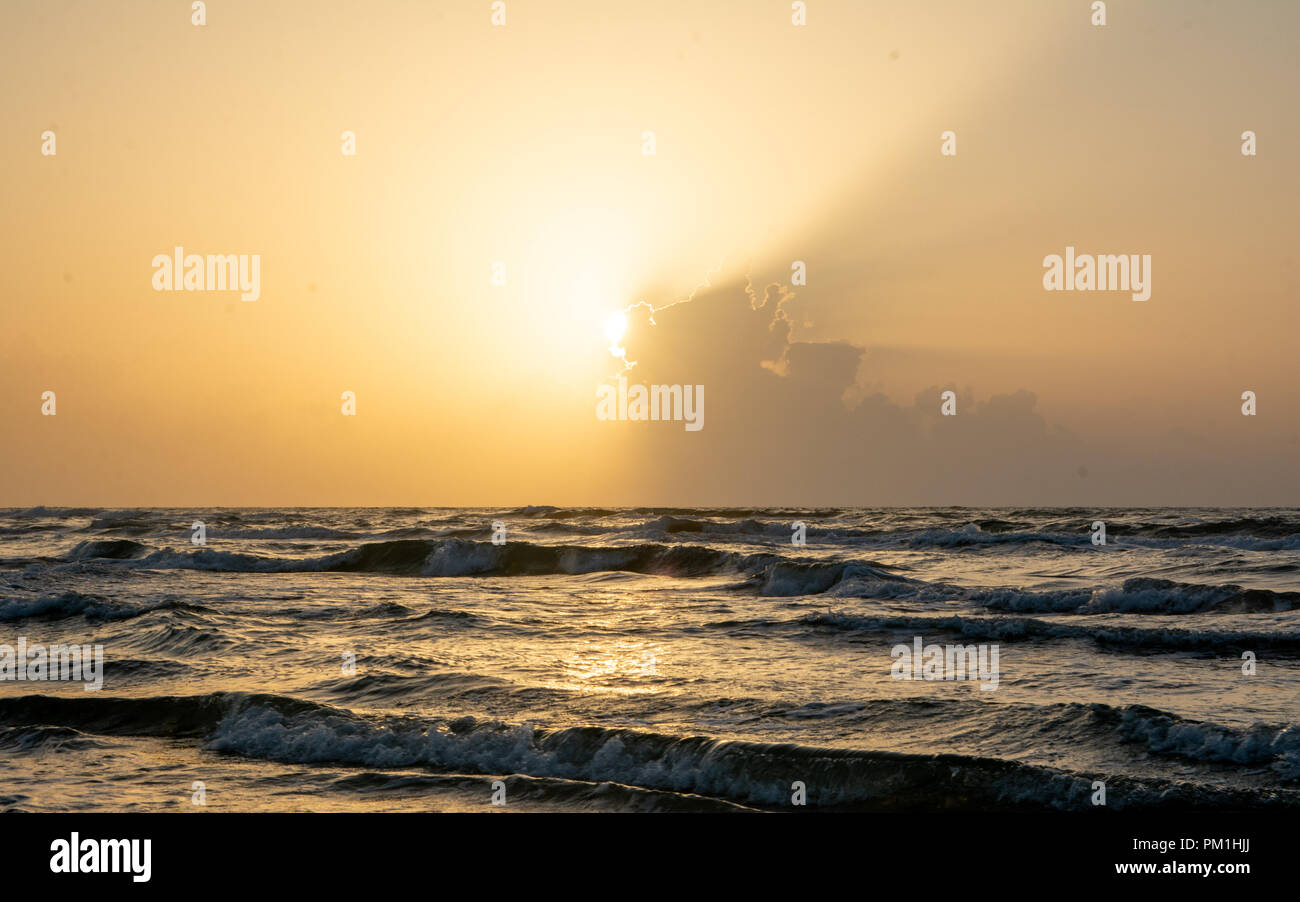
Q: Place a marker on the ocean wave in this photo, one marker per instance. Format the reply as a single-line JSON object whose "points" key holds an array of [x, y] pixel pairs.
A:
{"points": [[42, 512], [28, 529], [1277, 747], [438, 557], [1265, 527], [287, 729], [110, 549], [1141, 595], [749, 772], [979, 534], [1162, 596], [546, 511], [386, 610], [285, 532], [786, 578], [1010, 629], [177, 639], [175, 716], [747, 527], [762, 573], [953, 530], [738, 513], [39, 740], [972, 534], [92, 607], [399, 690], [1138, 595]]}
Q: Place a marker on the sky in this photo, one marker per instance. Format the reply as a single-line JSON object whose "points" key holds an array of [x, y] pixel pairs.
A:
{"points": [[519, 149]]}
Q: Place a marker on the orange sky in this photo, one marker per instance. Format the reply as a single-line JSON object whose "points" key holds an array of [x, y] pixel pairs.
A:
{"points": [[523, 144]]}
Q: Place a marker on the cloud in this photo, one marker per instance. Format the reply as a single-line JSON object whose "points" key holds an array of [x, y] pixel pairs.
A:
{"points": [[790, 422], [787, 421]]}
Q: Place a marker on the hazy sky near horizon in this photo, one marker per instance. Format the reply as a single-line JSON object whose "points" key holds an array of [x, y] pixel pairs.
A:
{"points": [[523, 144]]}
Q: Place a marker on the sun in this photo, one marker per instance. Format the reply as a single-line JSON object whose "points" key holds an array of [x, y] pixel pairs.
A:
{"points": [[615, 329], [616, 326]]}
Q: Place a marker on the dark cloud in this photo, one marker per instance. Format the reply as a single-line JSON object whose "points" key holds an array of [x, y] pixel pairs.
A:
{"points": [[786, 421]]}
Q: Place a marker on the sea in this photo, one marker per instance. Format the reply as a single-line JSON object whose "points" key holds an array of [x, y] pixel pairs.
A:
{"points": [[650, 659]]}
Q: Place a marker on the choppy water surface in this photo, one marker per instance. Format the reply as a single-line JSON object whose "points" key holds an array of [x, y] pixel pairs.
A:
{"points": [[651, 659]]}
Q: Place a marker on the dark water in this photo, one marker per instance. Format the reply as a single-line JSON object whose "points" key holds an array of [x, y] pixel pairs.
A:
{"points": [[651, 659]]}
